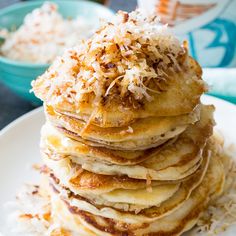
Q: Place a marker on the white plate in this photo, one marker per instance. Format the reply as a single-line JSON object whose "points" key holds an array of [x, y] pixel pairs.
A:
{"points": [[19, 149]]}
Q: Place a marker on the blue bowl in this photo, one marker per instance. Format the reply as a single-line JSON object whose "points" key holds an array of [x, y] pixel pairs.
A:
{"points": [[18, 75]]}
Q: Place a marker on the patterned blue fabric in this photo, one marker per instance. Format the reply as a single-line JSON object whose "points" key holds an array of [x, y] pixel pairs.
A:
{"points": [[224, 32], [213, 43]]}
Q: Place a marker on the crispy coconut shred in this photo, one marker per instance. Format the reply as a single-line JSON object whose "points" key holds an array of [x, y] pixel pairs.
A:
{"points": [[221, 213], [127, 57]]}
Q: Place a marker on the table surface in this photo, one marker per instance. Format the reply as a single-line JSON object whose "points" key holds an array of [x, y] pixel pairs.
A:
{"points": [[11, 105]]}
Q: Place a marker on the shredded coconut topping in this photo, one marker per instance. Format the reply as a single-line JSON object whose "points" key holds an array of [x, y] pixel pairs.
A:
{"points": [[221, 214], [131, 57], [30, 212]]}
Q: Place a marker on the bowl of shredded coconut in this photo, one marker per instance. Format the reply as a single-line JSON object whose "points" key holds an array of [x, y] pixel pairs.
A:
{"points": [[34, 33]]}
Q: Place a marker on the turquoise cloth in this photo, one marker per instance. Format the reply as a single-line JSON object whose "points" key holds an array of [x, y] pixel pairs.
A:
{"points": [[222, 82]]}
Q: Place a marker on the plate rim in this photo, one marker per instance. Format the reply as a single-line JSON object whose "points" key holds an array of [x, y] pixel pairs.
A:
{"points": [[217, 99]]}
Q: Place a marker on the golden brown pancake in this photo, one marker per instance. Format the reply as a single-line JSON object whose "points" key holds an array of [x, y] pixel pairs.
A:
{"points": [[174, 201], [171, 161], [59, 146], [75, 178], [99, 205], [142, 134], [182, 219]]}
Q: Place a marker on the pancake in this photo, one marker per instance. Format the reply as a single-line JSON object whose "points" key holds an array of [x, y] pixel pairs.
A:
{"points": [[59, 146], [142, 134], [172, 161], [113, 190], [174, 172], [81, 181], [182, 219], [99, 205], [119, 200]]}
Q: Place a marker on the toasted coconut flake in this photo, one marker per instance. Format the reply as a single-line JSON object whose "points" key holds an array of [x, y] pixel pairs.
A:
{"points": [[31, 213], [221, 214], [123, 58]]}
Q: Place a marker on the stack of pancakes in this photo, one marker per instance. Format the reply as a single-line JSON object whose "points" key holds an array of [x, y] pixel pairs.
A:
{"points": [[128, 160]]}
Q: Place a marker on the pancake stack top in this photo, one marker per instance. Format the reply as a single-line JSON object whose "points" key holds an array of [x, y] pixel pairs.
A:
{"points": [[127, 146]]}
